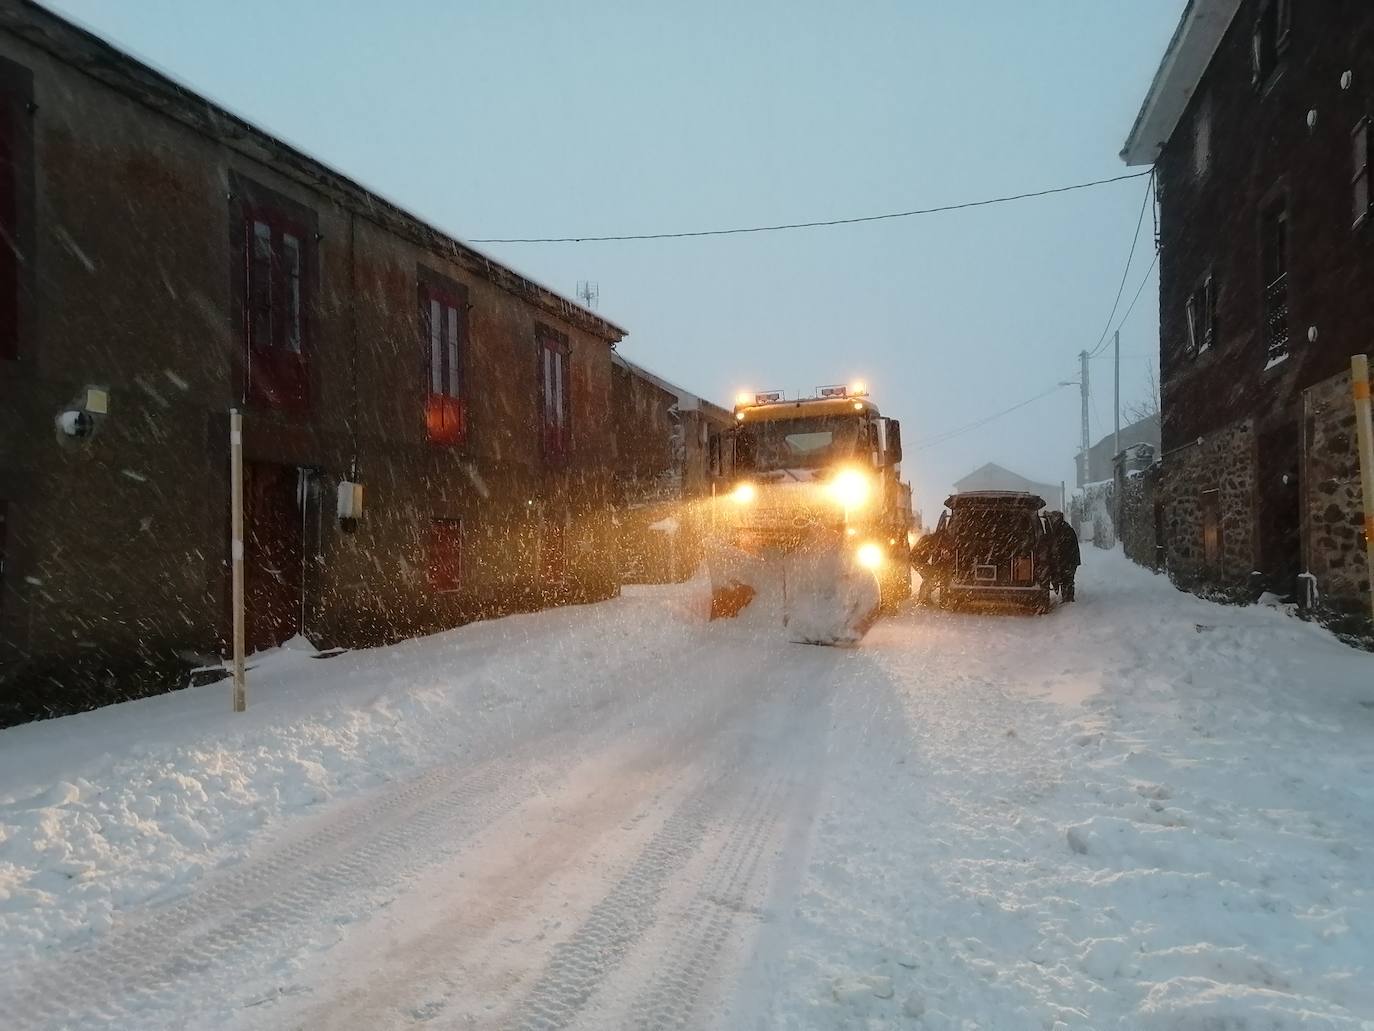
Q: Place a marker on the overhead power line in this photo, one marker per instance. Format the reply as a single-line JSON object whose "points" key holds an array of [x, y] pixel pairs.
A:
{"points": [[1139, 290], [1125, 272], [940, 438], [819, 223]]}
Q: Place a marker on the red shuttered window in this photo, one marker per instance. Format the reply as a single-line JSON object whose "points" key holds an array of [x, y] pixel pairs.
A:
{"points": [[275, 298], [443, 316]]}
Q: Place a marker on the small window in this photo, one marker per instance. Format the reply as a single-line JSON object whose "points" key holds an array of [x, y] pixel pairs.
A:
{"points": [[445, 555], [274, 296], [1274, 263], [443, 330], [1269, 39], [1201, 317], [716, 464], [1202, 138], [555, 402], [1360, 171]]}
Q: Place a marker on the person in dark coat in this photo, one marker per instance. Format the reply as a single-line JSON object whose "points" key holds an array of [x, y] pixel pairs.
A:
{"points": [[930, 558], [1065, 557]]}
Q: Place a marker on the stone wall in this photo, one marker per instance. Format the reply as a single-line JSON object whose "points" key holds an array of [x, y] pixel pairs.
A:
{"points": [[1136, 523], [1333, 508], [1224, 462]]}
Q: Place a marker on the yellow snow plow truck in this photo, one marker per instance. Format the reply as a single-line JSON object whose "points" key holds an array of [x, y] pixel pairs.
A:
{"points": [[815, 527]]}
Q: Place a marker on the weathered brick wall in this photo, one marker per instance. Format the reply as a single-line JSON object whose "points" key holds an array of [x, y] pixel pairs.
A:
{"points": [[117, 545], [1226, 462], [1333, 507]]}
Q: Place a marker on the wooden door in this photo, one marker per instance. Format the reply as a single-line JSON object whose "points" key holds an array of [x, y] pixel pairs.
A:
{"points": [[274, 553]]}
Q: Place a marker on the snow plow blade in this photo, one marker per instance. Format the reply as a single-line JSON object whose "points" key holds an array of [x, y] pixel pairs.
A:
{"points": [[814, 590]]}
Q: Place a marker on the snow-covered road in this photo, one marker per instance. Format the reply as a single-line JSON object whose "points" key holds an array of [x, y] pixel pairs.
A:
{"points": [[1143, 811]]}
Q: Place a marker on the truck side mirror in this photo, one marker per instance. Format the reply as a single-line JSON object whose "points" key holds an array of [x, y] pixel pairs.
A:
{"points": [[894, 441]]}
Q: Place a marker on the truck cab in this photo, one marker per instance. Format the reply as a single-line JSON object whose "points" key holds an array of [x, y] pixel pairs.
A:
{"points": [[817, 466]]}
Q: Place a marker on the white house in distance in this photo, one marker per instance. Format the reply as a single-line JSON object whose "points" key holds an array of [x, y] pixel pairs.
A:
{"points": [[995, 477]]}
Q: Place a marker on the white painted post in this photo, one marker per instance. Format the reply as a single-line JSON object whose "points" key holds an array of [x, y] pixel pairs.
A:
{"points": [[1364, 422], [236, 552]]}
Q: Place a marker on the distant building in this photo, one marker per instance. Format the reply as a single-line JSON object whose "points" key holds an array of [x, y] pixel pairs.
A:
{"points": [[995, 477], [1258, 125], [671, 452], [1102, 454]]}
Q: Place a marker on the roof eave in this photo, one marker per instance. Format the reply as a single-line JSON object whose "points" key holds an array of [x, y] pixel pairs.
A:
{"points": [[1200, 30]]}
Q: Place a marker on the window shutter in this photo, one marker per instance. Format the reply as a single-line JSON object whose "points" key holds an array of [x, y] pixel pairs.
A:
{"points": [[541, 373], [9, 226]]}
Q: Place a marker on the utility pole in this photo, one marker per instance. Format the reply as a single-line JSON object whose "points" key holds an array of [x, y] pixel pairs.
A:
{"points": [[1086, 431], [240, 691], [1116, 438]]}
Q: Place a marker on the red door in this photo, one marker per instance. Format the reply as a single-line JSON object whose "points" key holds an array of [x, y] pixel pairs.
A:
{"points": [[274, 554]]}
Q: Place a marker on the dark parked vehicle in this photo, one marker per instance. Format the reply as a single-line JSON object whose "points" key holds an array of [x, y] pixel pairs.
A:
{"points": [[997, 550]]}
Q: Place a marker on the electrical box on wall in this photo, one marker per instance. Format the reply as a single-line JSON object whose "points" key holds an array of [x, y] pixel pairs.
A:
{"points": [[350, 504]]}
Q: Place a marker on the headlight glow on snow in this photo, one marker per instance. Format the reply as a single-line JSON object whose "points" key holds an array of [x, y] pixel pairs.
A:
{"points": [[850, 488], [744, 493], [870, 556]]}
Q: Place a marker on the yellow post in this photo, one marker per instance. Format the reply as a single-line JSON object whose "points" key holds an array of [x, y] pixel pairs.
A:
{"points": [[236, 552], [1364, 422]]}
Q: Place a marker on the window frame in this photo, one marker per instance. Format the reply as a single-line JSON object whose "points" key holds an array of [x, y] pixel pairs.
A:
{"points": [[1275, 278], [1359, 176], [446, 422], [277, 350], [1202, 137], [18, 239], [1270, 38], [554, 392], [1200, 315], [444, 555]]}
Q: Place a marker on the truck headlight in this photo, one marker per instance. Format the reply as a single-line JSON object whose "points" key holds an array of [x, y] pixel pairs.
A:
{"points": [[744, 493], [851, 488], [869, 555]]}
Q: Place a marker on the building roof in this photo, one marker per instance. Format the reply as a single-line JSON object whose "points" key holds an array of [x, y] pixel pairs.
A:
{"points": [[993, 477], [1199, 33], [83, 49], [1102, 454], [686, 400]]}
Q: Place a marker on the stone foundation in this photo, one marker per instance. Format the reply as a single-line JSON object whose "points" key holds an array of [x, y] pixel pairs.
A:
{"points": [[1333, 506], [1224, 462]]}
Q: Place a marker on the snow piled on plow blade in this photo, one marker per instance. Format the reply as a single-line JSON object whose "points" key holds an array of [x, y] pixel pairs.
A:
{"points": [[815, 593]]}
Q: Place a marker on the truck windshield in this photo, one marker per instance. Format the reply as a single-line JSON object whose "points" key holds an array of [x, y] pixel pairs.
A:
{"points": [[796, 443]]}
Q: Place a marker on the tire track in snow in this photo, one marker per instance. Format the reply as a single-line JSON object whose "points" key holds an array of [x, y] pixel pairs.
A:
{"points": [[579, 966], [129, 970], [686, 968]]}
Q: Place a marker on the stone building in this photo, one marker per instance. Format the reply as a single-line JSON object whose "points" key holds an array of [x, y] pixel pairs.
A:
{"points": [[166, 261], [1258, 125]]}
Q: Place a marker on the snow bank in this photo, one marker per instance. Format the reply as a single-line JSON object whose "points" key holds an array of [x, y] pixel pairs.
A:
{"points": [[105, 811], [1144, 811]]}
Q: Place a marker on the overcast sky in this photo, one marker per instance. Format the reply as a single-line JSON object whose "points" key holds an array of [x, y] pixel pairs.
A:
{"points": [[504, 118]]}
